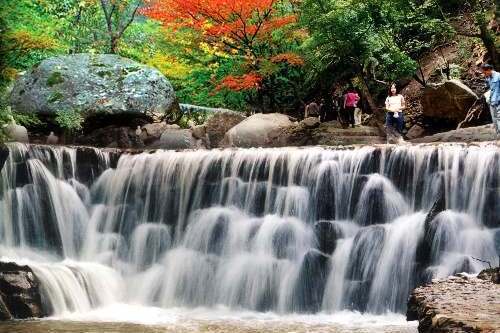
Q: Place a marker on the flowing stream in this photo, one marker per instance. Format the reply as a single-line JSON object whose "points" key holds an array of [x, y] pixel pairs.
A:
{"points": [[310, 233]]}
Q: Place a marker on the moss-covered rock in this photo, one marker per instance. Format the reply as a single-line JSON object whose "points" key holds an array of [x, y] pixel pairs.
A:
{"points": [[93, 84], [55, 78]]}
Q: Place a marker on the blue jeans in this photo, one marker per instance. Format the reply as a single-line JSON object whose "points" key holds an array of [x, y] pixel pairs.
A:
{"points": [[495, 117], [397, 123]]}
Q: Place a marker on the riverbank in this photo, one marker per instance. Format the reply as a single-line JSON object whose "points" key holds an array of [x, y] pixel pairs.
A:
{"points": [[461, 303]]}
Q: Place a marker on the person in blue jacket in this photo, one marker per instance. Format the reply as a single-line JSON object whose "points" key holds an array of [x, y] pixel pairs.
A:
{"points": [[493, 81]]}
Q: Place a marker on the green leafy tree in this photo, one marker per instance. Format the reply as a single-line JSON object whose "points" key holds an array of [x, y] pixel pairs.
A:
{"points": [[119, 15], [482, 21], [375, 41]]}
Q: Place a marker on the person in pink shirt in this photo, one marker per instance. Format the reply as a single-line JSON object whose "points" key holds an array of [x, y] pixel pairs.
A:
{"points": [[351, 99]]}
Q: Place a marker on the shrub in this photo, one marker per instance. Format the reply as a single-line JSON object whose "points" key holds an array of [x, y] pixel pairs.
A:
{"points": [[69, 120]]}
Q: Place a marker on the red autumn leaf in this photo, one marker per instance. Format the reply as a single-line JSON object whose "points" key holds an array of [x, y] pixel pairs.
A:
{"points": [[239, 83], [236, 23], [290, 58]]}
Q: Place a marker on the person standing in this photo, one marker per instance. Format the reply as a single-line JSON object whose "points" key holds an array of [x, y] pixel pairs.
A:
{"points": [[337, 101], [324, 111], [493, 81], [394, 105], [358, 113], [351, 99], [312, 110]]}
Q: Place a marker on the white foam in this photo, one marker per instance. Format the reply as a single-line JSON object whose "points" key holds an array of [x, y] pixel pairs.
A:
{"points": [[137, 314]]}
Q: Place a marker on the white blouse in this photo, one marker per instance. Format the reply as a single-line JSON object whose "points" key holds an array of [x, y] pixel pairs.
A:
{"points": [[395, 103]]}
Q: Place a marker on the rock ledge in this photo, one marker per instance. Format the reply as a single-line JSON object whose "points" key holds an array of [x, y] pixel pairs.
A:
{"points": [[457, 304]]}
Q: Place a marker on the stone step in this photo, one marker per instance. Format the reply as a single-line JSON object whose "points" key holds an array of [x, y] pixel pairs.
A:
{"points": [[350, 140]]}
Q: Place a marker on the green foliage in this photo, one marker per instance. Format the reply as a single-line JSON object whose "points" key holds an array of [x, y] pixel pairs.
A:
{"points": [[5, 118], [26, 119], [334, 41], [70, 120], [346, 35]]}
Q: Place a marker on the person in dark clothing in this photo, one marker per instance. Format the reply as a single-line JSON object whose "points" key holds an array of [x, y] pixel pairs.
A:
{"points": [[324, 111], [337, 101]]}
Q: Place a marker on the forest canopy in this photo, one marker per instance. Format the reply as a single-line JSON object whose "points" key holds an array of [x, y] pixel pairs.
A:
{"points": [[262, 55]]}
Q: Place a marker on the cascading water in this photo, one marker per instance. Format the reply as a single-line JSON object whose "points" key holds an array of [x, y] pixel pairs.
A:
{"points": [[282, 230]]}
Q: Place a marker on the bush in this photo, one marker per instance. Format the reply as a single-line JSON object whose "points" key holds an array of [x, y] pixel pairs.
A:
{"points": [[69, 120]]}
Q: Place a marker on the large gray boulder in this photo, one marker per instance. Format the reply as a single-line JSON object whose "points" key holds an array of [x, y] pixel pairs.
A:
{"points": [[177, 138], [450, 100], [217, 126], [258, 130], [93, 84]]}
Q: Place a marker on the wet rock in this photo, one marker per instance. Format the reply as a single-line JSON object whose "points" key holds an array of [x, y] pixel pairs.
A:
{"points": [[424, 248], [218, 124], [468, 135], [152, 132], [177, 139], [490, 274], [491, 210], [464, 265], [371, 162], [200, 132], [112, 137], [416, 131], [311, 122], [4, 311], [91, 163], [258, 130], [456, 304], [23, 175], [218, 235], [311, 282], [327, 234], [393, 136], [325, 195], [378, 203], [4, 155], [284, 242], [93, 84], [19, 292], [449, 100], [366, 251]]}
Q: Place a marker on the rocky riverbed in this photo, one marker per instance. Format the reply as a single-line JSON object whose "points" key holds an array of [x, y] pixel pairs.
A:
{"points": [[461, 303]]}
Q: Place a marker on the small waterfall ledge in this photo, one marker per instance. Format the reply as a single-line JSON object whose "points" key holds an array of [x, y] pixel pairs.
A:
{"points": [[287, 230]]}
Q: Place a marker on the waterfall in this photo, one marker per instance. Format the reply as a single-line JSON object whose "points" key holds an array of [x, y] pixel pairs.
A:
{"points": [[282, 230]]}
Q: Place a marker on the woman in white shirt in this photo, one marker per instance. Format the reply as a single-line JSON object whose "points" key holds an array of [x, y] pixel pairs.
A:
{"points": [[394, 105]]}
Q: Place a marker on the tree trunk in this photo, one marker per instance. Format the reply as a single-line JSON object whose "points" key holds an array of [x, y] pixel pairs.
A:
{"points": [[113, 44], [378, 114], [488, 40]]}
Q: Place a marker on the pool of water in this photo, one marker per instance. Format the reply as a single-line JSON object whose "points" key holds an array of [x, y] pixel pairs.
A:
{"points": [[138, 319]]}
